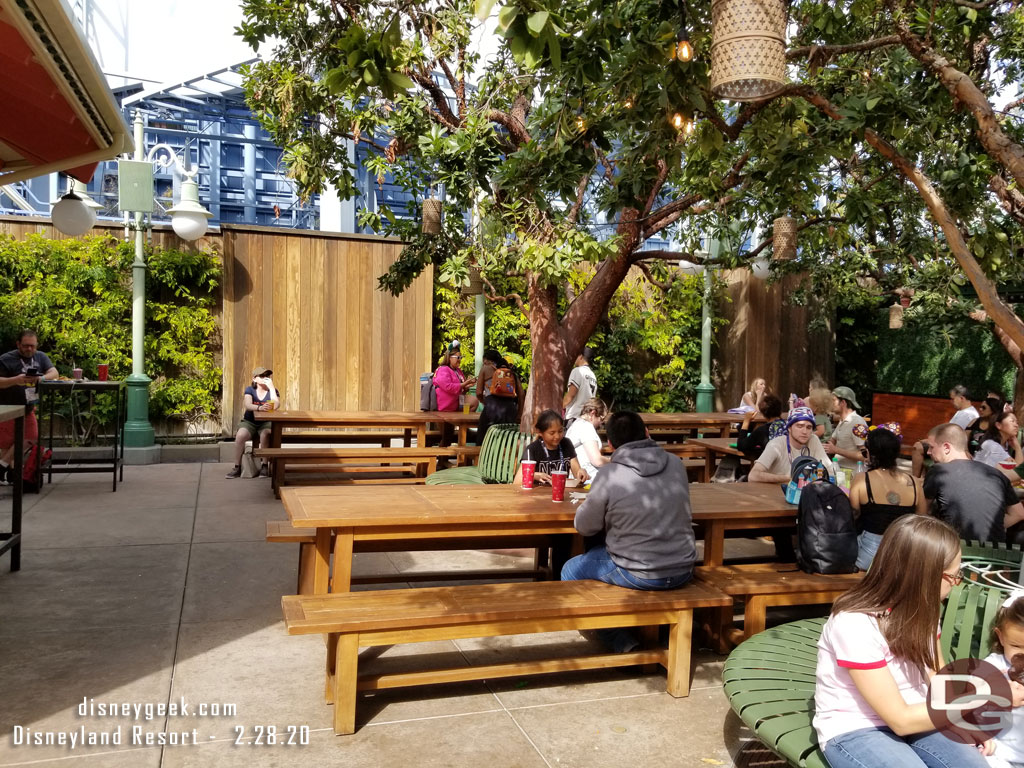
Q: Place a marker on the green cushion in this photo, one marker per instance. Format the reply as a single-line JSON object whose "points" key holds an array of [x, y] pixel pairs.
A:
{"points": [[499, 459], [456, 476], [769, 679]]}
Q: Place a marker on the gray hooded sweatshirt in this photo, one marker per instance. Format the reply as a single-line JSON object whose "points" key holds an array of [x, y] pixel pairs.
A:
{"points": [[641, 500]]}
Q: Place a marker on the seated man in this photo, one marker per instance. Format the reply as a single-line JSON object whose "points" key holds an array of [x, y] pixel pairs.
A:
{"points": [[775, 461], [976, 499], [20, 372], [641, 502]]}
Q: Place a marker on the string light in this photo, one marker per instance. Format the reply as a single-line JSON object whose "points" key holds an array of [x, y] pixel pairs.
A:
{"points": [[682, 124], [581, 124], [628, 103], [684, 51]]}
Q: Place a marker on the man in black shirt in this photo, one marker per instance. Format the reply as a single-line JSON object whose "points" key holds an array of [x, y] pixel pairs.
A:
{"points": [[753, 441], [976, 499], [20, 372]]}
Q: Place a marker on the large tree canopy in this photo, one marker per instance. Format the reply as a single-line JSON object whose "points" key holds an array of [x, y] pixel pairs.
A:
{"points": [[582, 138]]}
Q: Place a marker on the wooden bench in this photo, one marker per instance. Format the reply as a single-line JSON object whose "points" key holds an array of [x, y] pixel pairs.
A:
{"points": [[381, 437], [491, 610], [769, 679], [763, 585], [282, 532], [693, 459], [411, 464]]}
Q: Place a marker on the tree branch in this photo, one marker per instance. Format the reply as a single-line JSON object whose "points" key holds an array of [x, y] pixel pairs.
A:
{"points": [[1001, 314], [1011, 199], [657, 221], [656, 187], [999, 145], [819, 54], [493, 296], [581, 189], [515, 127], [652, 279], [442, 112]]}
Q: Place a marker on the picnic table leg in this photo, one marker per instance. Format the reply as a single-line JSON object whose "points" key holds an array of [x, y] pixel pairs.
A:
{"points": [[346, 668], [678, 666], [341, 572], [275, 434], [421, 435], [463, 434], [709, 465], [714, 542], [407, 438], [307, 566], [322, 563], [754, 618]]}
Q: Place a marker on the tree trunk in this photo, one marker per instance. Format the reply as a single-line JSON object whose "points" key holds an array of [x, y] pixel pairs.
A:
{"points": [[551, 361]]}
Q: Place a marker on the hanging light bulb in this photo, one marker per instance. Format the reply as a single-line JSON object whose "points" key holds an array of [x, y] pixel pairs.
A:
{"points": [[628, 103], [677, 121], [688, 127], [581, 124], [684, 50]]}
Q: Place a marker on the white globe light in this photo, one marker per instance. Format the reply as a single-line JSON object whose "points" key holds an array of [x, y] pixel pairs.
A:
{"points": [[689, 268], [72, 216], [189, 225], [760, 268]]}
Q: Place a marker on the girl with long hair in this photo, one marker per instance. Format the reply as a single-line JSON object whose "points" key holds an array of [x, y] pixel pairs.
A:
{"points": [[999, 442], [879, 650]]}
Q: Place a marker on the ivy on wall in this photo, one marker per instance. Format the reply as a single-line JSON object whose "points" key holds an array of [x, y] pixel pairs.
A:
{"points": [[76, 294]]}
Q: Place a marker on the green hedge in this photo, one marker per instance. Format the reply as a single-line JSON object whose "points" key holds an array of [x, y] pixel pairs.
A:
{"points": [[76, 294]]}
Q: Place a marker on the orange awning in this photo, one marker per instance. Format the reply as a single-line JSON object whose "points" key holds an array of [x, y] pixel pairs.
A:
{"points": [[56, 111]]}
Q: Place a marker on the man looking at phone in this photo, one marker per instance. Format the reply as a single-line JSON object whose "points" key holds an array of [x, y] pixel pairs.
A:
{"points": [[20, 372]]}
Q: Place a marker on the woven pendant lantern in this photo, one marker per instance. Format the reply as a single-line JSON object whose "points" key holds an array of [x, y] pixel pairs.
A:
{"points": [[784, 238], [431, 217], [896, 316], [748, 48]]}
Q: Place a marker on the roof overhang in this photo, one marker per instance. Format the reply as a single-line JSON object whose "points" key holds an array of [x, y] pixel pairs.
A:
{"points": [[58, 113]]}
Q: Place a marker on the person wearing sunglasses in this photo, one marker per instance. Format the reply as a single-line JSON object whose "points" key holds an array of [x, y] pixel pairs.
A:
{"points": [[878, 651]]}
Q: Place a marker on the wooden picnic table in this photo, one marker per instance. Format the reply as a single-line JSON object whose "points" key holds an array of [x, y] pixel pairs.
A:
{"points": [[692, 423], [410, 420], [342, 516], [713, 448]]}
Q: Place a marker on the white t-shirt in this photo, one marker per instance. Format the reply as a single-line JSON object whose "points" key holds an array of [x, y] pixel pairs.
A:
{"points": [[586, 388], [991, 453], [1009, 745], [582, 431], [854, 641], [965, 417]]}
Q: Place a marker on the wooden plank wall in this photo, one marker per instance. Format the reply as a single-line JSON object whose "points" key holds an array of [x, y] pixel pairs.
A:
{"points": [[767, 337], [306, 305]]}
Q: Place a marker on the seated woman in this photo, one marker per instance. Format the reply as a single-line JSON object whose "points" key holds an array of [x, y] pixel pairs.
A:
{"points": [[878, 651], [901, 492], [988, 409], [753, 441], [261, 395], [751, 400], [1000, 442], [584, 438]]}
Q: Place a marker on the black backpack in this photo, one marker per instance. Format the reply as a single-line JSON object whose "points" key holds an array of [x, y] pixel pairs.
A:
{"points": [[826, 532]]}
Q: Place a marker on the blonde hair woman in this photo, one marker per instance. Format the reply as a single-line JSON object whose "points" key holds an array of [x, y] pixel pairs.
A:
{"points": [[583, 434]]}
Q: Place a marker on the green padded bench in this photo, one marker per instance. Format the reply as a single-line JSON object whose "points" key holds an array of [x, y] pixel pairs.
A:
{"points": [[769, 678], [498, 461]]}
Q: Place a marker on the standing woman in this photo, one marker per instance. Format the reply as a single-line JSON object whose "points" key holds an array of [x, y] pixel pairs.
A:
{"points": [[880, 648], [260, 396], [883, 493], [451, 383]]}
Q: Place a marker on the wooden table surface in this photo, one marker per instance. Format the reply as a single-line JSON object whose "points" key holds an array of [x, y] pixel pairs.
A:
{"points": [[417, 420], [707, 422], [343, 515], [713, 447]]}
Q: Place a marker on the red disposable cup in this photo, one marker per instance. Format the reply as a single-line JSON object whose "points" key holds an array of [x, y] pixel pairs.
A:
{"points": [[101, 371], [558, 479], [528, 468], [1008, 464], [76, 373]]}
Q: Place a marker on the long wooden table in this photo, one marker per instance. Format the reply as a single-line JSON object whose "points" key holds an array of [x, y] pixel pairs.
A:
{"points": [[665, 424], [713, 448], [342, 516], [411, 420]]}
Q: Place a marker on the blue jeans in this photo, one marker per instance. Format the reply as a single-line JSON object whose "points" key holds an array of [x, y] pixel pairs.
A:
{"points": [[876, 747], [597, 564], [867, 548]]}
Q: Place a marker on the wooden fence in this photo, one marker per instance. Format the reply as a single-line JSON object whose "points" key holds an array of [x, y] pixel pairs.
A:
{"points": [[767, 337], [306, 305]]}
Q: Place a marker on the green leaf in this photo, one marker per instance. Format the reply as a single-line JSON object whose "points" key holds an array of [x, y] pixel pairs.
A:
{"points": [[554, 48], [871, 102], [483, 8], [400, 81], [537, 22], [507, 15]]}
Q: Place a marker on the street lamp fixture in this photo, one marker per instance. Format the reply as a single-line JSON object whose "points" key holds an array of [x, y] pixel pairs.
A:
{"points": [[135, 195], [75, 213]]}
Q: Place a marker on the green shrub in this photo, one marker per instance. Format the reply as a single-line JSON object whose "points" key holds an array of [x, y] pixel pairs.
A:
{"points": [[76, 294]]}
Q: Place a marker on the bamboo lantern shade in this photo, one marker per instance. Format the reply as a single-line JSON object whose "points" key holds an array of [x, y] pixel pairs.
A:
{"points": [[748, 48], [476, 284], [431, 217], [784, 238], [896, 316]]}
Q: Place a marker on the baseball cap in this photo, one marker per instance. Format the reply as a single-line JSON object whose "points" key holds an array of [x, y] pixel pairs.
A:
{"points": [[260, 370], [845, 393]]}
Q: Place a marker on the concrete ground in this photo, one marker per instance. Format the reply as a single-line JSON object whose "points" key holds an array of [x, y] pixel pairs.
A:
{"points": [[165, 592]]}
